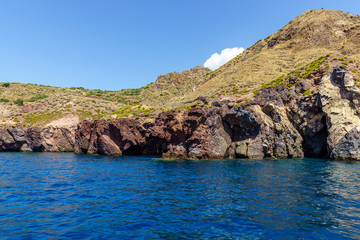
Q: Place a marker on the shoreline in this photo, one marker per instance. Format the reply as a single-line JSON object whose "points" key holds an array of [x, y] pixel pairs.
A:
{"points": [[322, 124]]}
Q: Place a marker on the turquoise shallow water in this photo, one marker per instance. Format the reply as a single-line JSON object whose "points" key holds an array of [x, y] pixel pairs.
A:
{"points": [[64, 196]]}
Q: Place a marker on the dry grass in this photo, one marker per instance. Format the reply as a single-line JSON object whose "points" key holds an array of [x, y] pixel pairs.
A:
{"points": [[306, 38]]}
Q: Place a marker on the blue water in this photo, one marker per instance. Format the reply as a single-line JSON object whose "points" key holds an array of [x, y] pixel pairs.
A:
{"points": [[64, 196]]}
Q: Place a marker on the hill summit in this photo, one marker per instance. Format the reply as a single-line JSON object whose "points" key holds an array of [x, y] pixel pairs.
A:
{"points": [[304, 39]]}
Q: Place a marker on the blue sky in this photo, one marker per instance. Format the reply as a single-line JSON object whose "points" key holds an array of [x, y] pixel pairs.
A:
{"points": [[115, 44]]}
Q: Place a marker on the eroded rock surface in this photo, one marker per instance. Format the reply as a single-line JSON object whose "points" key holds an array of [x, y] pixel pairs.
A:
{"points": [[337, 93], [281, 122], [198, 133], [36, 139], [313, 117]]}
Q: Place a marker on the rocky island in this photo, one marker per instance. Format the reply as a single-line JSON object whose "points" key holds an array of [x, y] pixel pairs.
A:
{"points": [[294, 94]]}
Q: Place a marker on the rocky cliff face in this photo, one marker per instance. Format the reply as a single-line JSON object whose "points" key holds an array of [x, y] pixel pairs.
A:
{"points": [[36, 139], [198, 133], [306, 115], [340, 100], [315, 117]]}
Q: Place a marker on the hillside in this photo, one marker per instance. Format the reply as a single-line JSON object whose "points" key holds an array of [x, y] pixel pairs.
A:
{"points": [[304, 40], [38, 105]]}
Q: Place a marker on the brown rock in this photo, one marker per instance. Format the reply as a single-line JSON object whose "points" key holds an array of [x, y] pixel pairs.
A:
{"points": [[37, 139]]}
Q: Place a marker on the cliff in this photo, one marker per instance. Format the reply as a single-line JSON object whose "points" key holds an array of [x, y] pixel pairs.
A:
{"points": [[37, 139], [293, 94], [275, 124], [311, 112]]}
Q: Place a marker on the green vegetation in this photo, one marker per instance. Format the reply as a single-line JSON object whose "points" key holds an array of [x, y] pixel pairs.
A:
{"points": [[310, 68], [37, 98], [4, 100], [83, 114], [97, 93], [273, 84], [302, 72], [244, 91], [78, 88], [6, 84], [123, 101], [135, 111], [213, 73], [19, 102], [307, 92], [41, 119], [134, 91]]}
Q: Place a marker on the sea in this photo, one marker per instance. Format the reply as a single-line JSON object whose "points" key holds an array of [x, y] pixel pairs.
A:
{"points": [[67, 196]]}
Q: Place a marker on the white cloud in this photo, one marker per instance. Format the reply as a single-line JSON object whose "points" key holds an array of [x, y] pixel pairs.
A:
{"points": [[216, 60]]}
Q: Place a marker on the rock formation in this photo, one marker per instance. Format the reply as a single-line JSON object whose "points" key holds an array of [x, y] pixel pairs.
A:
{"points": [[293, 94], [317, 117], [198, 133], [312, 116], [37, 139], [339, 98]]}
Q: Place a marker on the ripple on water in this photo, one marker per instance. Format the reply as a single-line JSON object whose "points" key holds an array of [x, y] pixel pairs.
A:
{"points": [[54, 196]]}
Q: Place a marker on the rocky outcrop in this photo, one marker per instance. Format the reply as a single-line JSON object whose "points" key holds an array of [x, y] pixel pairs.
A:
{"points": [[198, 133], [348, 147], [263, 132], [109, 137], [37, 139], [339, 97], [313, 117], [317, 117]]}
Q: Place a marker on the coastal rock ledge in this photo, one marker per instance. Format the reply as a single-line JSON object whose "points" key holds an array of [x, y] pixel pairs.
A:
{"points": [[317, 118], [36, 139], [198, 133], [313, 117]]}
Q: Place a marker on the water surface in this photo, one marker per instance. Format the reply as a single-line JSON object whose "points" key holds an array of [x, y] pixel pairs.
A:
{"points": [[64, 196]]}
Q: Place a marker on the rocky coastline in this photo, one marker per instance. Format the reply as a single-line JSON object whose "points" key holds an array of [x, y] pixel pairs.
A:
{"points": [[37, 139], [318, 117]]}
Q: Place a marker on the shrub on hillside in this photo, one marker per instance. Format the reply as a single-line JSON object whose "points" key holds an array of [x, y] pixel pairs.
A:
{"points": [[37, 97], [19, 102]]}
